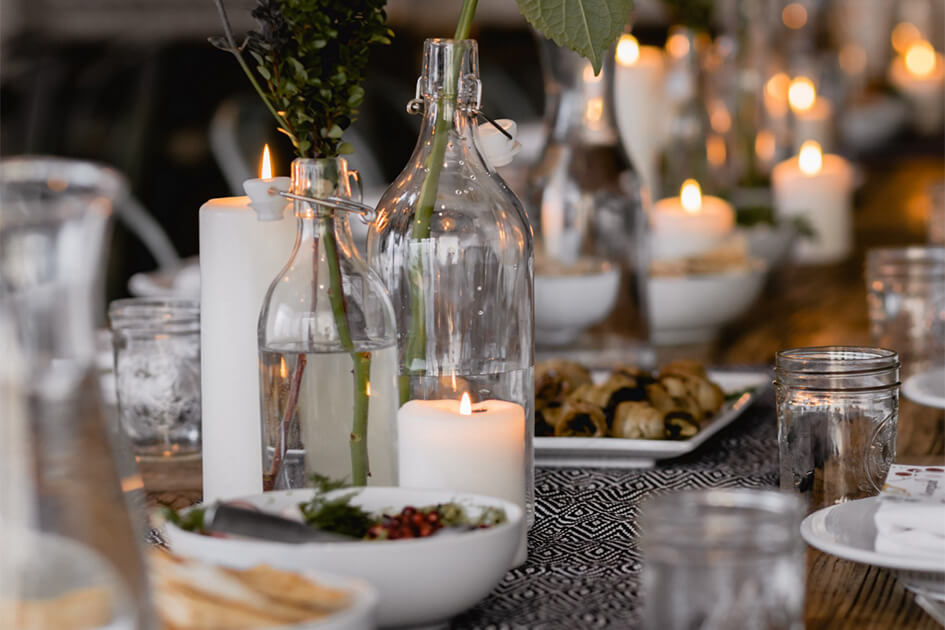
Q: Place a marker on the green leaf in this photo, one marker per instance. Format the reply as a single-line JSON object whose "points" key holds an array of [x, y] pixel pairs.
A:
{"points": [[335, 132], [264, 72], [588, 27], [345, 148]]}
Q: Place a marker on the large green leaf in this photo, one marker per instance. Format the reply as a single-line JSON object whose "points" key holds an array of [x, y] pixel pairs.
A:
{"points": [[588, 27]]}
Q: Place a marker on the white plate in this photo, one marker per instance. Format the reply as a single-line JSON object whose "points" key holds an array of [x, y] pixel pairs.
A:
{"points": [[927, 388], [847, 530], [420, 581], [609, 452]]}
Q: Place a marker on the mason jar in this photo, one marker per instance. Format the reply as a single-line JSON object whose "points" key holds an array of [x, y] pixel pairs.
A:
{"points": [[837, 414]]}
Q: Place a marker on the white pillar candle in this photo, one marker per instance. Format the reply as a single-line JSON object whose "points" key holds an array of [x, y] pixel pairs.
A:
{"points": [[690, 224], [919, 75], [239, 257], [638, 103], [813, 115], [481, 451], [818, 188]]}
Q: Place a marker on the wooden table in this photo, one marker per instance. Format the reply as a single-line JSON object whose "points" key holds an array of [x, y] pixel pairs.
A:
{"points": [[802, 306]]}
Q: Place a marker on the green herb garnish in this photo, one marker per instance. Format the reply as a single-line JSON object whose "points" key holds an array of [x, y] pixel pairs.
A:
{"points": [[335, 514]]}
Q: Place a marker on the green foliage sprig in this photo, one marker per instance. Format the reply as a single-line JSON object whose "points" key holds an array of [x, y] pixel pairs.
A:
{"points": [[311, 56]]}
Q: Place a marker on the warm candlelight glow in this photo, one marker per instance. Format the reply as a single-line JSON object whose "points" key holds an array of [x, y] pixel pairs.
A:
{"points": [[677, 45], [265, 165], [852, 59], [765, 145], [720, 119], [628, 50], [465, 405], [904, 35], [802, 94], [690, 195], [715, 150], [794, 15], [777, 86], [367, 388], [283, 371], [920, 59], [594, 110], [811, 158]]}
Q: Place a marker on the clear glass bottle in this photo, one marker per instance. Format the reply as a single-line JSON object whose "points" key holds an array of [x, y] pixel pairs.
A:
{"points": [[689, 142], [327, 358], [457, 259]]}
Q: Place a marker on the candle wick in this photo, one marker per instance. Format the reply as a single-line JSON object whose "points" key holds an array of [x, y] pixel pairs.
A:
{"points": [[480, 410]]}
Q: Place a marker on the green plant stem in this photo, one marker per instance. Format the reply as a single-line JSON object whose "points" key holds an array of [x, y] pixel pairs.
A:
{"points": [[361, 360], [446, 109]]}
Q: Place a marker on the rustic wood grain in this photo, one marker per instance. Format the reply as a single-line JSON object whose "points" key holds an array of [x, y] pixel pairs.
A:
{"points": [[801, 306]]}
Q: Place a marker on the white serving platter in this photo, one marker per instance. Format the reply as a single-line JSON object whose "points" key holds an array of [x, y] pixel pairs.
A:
{"points": [[609, 452]]}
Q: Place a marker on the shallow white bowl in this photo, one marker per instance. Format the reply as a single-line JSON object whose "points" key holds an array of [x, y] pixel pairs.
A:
{"points": [[567, 304], [420, 581], [691, 309]]}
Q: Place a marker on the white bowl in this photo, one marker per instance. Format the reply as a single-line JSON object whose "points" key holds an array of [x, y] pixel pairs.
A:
{"points": [[692, 308], [566, 304], [420, 581]]}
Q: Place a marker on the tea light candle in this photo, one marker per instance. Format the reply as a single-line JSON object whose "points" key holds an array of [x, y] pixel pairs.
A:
{"points": [[638, 102], [919, 75], [813, 114], [457, 445], [818, 188], [240, 254], [689, 224]]}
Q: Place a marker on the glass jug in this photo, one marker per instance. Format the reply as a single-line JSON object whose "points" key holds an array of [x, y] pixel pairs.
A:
{"points": [[61, 490]]}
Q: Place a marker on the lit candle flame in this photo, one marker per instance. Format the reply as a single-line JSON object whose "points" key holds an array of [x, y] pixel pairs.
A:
{"points": [[628, 50], [265, 164], [811, 158], [920, 59], [465, 405], [765, 145], [904, 35], [690, 195], [802, 94], [283, 370]]}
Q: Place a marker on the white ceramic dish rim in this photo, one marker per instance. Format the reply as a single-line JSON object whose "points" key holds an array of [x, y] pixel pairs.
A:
{"points": [[583, 447], [927, 388], [857, 516], [513, 513]]}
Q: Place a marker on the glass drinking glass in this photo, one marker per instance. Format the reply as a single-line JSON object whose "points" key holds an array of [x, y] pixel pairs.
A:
{"points": [[58, 475], [723, 559], [157, 374], [837, 415], [906, 300]]}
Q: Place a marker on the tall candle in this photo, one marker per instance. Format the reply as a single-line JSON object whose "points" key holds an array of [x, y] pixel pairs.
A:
{"points": [[638, 102], [690, 224], [239, 257], [818, 188], [478, 449], [919, 74]]}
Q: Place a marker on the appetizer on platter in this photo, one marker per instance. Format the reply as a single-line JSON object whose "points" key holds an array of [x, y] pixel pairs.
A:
{"points": [[671, 404]]}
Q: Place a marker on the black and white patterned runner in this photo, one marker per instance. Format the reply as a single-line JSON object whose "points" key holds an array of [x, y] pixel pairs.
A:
{"points": [[584, 565]]}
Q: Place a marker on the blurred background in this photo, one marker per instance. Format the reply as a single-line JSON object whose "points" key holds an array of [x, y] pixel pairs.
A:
{"points": [[134, 83]]}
